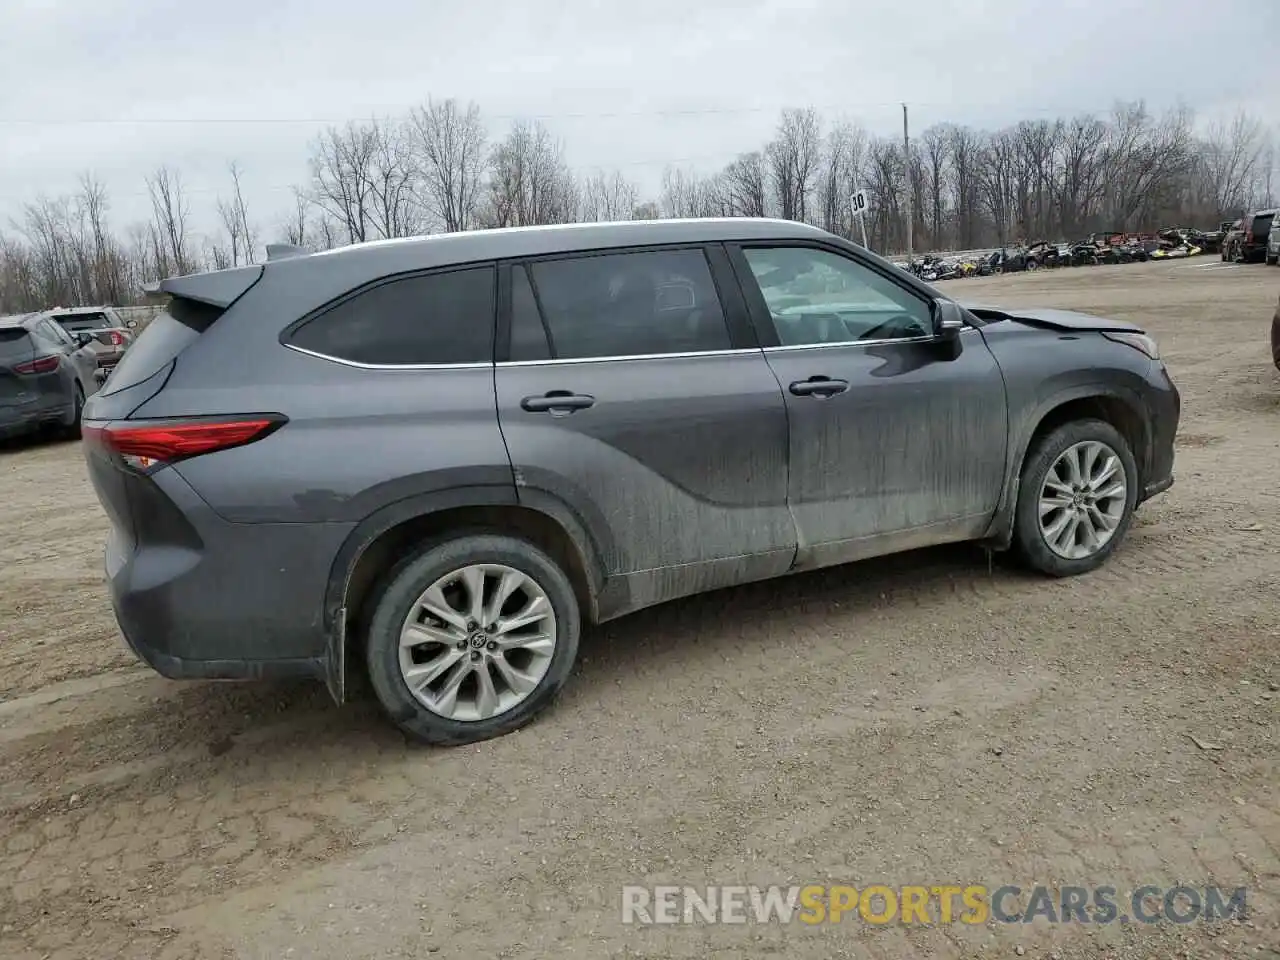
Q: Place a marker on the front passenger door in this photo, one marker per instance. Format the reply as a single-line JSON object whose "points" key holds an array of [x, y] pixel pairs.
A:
{"points": [[894, 443]]}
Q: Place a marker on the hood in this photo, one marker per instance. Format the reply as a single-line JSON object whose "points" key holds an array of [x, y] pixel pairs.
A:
{"points": [[1049, 318]]}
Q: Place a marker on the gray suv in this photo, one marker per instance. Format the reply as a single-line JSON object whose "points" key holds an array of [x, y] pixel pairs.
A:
{"points": [[444, 456]]}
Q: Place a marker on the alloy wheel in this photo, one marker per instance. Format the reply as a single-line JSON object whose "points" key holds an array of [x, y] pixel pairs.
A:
{"points": [[1083, 500], [477, 642]]}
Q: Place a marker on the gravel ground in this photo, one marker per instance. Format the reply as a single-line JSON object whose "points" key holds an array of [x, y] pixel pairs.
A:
{"points": [[925, 720]]}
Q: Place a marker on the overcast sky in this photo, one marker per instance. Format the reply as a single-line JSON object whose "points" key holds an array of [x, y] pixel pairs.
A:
{"points": [[119, 86]]}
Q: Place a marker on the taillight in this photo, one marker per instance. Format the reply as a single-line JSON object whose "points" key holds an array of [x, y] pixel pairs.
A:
{"points": [[116, 339], [149, 445], [38, 365]]}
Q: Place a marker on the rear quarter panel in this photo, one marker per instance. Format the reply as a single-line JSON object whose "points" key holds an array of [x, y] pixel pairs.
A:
{"points": [[357, 439]]}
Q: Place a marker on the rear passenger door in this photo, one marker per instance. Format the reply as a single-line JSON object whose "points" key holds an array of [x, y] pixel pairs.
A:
{"points": [[631, 389]]}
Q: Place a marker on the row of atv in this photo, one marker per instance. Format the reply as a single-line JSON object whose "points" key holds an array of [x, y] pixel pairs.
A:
{"points": [[1170, 244]]}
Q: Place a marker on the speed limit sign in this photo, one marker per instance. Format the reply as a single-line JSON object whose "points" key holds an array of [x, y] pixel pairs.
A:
{"points": [[858, 203]]}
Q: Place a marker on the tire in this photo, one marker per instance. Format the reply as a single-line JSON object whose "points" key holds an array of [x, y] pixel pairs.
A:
{"points": [[1030, 542], [547, 671], [71, 430], [1273, 261]]}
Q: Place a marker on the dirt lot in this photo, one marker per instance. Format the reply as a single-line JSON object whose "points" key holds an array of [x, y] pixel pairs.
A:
{"points": [[927, 720]]}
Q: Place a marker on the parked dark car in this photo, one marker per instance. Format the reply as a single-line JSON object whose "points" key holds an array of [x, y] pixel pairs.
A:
{"points": [[111, 334], [445, 456], [1249, 244], [45, 375]]}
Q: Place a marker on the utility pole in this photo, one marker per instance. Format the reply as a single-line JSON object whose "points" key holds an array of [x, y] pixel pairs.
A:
{"points": [[906, 167]]}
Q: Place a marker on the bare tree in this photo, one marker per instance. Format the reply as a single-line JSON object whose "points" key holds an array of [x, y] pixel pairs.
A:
{"points": [[607, 197], [966, 148], [935, 152], [169, 211], [242, 237], [746, 185], [793, 160], [295, 223], [843, 156], [1231, 156], [1082, 166], [394, 209], [884, 176], [450, 140], [341, 164], [529, 181]]}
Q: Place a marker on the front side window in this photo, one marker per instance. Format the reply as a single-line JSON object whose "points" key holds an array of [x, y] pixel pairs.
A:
{"points": [[440, 318], [624, 305], [818, 297]]}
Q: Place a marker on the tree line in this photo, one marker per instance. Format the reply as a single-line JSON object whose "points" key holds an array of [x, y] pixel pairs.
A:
{"points": [[439, 169]]}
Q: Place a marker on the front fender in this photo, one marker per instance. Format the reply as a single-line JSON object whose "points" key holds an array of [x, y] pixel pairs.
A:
{"points": [[1024, 427]]}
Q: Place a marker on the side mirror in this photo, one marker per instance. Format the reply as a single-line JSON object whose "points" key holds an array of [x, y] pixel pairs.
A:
{"points": [[83, 338], [948, 319]]}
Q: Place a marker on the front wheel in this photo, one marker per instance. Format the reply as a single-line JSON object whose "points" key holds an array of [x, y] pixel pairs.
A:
{"points": [[1076, 498], [472, 638]]}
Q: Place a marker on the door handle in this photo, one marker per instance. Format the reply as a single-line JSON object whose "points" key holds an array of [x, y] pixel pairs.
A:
{"points": [[557, 402], [819, 386]]}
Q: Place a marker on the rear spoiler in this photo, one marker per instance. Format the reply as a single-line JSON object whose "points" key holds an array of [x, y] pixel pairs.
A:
{"points": [[221, 288]]}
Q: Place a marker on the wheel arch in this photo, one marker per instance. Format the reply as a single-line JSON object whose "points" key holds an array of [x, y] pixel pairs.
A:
{"points": [[378, 542], [1121, 408]]}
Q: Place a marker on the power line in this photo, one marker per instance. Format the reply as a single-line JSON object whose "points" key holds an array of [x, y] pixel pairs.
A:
{"points": [[563, 115]]}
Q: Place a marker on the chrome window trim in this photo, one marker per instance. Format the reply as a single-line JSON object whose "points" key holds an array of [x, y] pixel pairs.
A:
{"points": [[559, 361], [484, 365], [684, 355], [474, 365], [788, 348]]}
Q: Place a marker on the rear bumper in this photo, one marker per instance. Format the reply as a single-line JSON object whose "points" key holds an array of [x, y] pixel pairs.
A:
{"points": [[17, 419], [198, 597]]}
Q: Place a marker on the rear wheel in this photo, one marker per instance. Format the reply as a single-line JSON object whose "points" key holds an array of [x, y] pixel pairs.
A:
{"points": [[1273, 261], [472, 638], [1076, 498]]}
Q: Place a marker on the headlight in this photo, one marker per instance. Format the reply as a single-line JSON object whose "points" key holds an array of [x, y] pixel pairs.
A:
{"points": [[1139, 341]]}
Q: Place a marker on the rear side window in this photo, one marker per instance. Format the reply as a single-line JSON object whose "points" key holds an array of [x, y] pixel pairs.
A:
{"points": [[171, 332], [1262, 225], [14, 344], [627, 305], [439, 318]]}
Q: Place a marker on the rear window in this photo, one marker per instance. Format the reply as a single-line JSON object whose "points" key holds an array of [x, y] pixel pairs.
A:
{"points": [[14, 342], [166, 336], [1261, 225], [74, 322]]}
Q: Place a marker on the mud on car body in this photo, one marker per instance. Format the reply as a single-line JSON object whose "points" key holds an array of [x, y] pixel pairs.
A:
{"points": [[439, 459]]}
